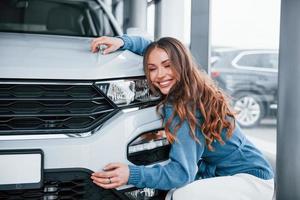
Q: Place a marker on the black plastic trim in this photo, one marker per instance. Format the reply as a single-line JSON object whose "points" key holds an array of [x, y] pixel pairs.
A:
{"points": [[144, 157], [67, 183]]}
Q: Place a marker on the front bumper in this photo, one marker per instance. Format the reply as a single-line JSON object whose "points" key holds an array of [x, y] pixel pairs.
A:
{"points": [[90, 152]]}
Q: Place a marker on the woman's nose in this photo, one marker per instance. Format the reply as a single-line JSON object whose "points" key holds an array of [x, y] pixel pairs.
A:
{"points": [[161, 72]]}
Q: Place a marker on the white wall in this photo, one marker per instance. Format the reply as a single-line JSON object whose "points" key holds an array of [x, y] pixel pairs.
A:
{"points": [[245, 23], [176, 19], [234, 23]]}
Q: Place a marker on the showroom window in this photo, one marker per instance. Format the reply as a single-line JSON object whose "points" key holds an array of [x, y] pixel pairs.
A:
{"points": [[244, 63]]}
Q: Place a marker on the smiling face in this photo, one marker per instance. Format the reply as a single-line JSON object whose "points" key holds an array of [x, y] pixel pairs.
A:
{"points": [[160, 69]]}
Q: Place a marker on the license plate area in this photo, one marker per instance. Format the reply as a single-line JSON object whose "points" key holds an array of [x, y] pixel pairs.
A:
{"points": [[21, 169]]}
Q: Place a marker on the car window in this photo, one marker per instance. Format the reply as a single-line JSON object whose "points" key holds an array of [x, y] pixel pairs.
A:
{"points": [[48, 17], [251, 60], [261, 60], [270, 61]]}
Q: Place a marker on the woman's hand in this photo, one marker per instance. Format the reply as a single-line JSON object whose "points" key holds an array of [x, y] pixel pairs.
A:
{"points": [[113, 176], [112, 43]]}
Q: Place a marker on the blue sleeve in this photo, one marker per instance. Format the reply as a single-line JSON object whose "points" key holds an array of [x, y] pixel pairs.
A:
{"points": [[135, 44], [181, 169]]}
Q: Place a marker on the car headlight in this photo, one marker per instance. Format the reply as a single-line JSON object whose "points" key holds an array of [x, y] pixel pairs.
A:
{"points": [[148, 148], [126, 92]]}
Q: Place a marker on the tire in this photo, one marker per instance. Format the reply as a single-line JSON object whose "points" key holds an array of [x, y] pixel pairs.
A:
{"points": [[249, 108]]}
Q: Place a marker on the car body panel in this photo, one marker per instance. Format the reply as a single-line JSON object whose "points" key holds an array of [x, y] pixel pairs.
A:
{"points": [[61, 57], [109, 144]]}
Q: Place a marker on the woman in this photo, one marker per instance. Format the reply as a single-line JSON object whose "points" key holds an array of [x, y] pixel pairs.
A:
{"points": [[210, 157]]}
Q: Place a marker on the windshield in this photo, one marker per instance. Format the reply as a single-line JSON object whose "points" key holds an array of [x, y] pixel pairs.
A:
{"points": [[48, 17]]}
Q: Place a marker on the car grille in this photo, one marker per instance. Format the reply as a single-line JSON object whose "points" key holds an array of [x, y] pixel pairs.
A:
{"points": [[52, 108], [63, 185]]}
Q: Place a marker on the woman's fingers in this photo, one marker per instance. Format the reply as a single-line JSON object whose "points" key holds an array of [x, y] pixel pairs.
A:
{"points": [[109, 49], [106, 180], [112, 166], [107, 186], [97, 42], [114, 175], [112, 44], [101, 180], [107, 183], [104, 174]]}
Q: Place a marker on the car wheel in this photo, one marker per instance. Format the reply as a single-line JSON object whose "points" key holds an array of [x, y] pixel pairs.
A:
{"points": [[249, 109]]}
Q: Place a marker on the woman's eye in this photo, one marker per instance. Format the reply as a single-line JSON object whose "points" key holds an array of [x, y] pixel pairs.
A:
{"points": [[166, 66], [152, 69]]}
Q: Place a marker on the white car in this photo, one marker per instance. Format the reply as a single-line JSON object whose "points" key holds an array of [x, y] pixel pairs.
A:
{"points": [[66, 112]]}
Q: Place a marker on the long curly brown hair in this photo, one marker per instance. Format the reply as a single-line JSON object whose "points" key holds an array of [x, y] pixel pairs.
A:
{"points": [[194, 90]]}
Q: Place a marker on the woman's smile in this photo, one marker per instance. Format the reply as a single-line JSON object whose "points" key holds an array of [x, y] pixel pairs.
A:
{"points": [[165, 83]]}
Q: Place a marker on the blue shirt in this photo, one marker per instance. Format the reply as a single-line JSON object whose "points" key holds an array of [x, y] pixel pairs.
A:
{"points": [[190, 160], [135, 44]]}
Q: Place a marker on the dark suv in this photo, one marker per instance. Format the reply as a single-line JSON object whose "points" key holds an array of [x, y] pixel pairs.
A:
{"points": [[250, 77]]}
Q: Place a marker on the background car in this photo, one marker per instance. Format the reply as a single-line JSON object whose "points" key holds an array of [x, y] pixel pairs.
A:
{"points": [[66, 112], [250, 78]]}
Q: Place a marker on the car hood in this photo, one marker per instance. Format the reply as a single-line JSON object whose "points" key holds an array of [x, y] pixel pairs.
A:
{"points": [[32, 56]]}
